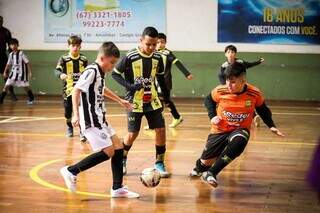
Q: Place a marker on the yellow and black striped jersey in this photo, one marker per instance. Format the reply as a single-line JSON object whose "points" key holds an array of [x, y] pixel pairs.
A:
{"points": [[73, 68], [168, 59], [140, 68]]}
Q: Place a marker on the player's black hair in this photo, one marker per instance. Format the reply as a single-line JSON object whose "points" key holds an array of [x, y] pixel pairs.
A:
{"points": [[109, 49], [150, 31], [162, 36], [230, 47], [14, 41], [74, 39], [235, 70]]}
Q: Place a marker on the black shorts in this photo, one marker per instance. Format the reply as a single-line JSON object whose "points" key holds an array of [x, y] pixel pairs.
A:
{"points": [[155, 120], [216, 143]]}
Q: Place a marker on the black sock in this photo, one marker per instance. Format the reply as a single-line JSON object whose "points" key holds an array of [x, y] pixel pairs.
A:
{"points": [[117, 171], [88, 162], [160, 152], [126, 149], [232, 151], [3, 95], [30, 94], [68, 122], [200, 167], [173, 109]]}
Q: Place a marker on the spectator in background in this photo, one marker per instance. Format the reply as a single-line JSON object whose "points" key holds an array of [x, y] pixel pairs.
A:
{"points": [[5, 37]]}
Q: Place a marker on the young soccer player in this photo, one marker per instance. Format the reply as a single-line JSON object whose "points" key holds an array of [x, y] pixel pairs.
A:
{"points": [[20, 72], [231, 113], [140, 68], [169, 58], [89, 110], [69, 68]]}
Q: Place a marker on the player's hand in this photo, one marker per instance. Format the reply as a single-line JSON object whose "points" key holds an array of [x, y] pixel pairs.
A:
{"points": [[276, 131], [126, 104], [63, 76], [75, 120], [216, 120], [261, 60], [136, 86], [190, 77], [30, 76]]}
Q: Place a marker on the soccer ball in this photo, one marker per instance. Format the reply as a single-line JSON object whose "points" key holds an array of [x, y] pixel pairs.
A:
{"points": [[150, 177]]}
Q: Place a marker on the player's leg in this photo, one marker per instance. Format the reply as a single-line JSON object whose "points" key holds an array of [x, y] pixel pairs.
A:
{"points": [[214, 146], [101, 144], [237, 141], [156, 121], [67, 102], [118, 189], [134, 122], [5, 90], [30, 94], [177, 118]]}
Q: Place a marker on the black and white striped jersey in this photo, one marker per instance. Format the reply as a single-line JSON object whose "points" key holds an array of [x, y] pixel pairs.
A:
{"points": [[92, 107], [19, 69]]}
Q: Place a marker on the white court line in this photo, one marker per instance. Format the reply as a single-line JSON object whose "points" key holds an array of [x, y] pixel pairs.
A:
{"points": [[14, 119]]}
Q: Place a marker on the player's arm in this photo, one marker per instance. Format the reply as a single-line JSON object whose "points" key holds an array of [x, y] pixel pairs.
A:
{"points": [[7, 67], [75, 106], [265, 113], [252, 64], [110, 94], [221, 75], [161, 81], [117, 76], [180, 66], [59, 69], [6, 70], [29, 71]]}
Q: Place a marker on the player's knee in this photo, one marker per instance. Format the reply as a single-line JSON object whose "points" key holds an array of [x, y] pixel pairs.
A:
{"points": [[237, 146], [109, 151]]}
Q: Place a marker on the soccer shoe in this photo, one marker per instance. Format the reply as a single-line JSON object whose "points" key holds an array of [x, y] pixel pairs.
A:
{"points": [[83, 138], [176, 122], [29, 102], [195, 173], [123, 192], [69, 132], [162, 169], [146, 128], [256, 121], [209, 178], [124, 166], [69, 179]]}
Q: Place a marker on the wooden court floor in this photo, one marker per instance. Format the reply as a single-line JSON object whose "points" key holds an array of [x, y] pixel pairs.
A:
{"points": [[268, 177]]}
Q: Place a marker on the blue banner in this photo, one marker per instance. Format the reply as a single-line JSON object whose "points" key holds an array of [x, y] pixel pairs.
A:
{"points": [[101, 20], [269, 21]]}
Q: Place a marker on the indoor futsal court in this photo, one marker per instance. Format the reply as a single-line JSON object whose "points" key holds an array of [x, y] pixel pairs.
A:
{"points": [[185, 106], [268, 177]]}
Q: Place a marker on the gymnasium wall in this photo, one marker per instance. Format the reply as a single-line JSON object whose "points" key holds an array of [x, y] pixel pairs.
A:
{"points": [[291, 72], [282, 76]]}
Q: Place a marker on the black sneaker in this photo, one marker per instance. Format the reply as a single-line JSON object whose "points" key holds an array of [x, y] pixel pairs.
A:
{"points": [[210, 179]]}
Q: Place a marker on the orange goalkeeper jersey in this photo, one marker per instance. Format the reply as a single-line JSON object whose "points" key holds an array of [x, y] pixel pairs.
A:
{"points": [[236, 110]]}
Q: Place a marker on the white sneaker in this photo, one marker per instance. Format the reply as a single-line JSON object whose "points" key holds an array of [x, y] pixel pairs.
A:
{"points": [[210, 179], [123, 193], [69, 179], [195, 173]]}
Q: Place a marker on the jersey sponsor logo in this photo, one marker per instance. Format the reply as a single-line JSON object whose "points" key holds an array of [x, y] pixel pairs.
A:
{"points": [[235, 117], [248, 103], [146, 82]]}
